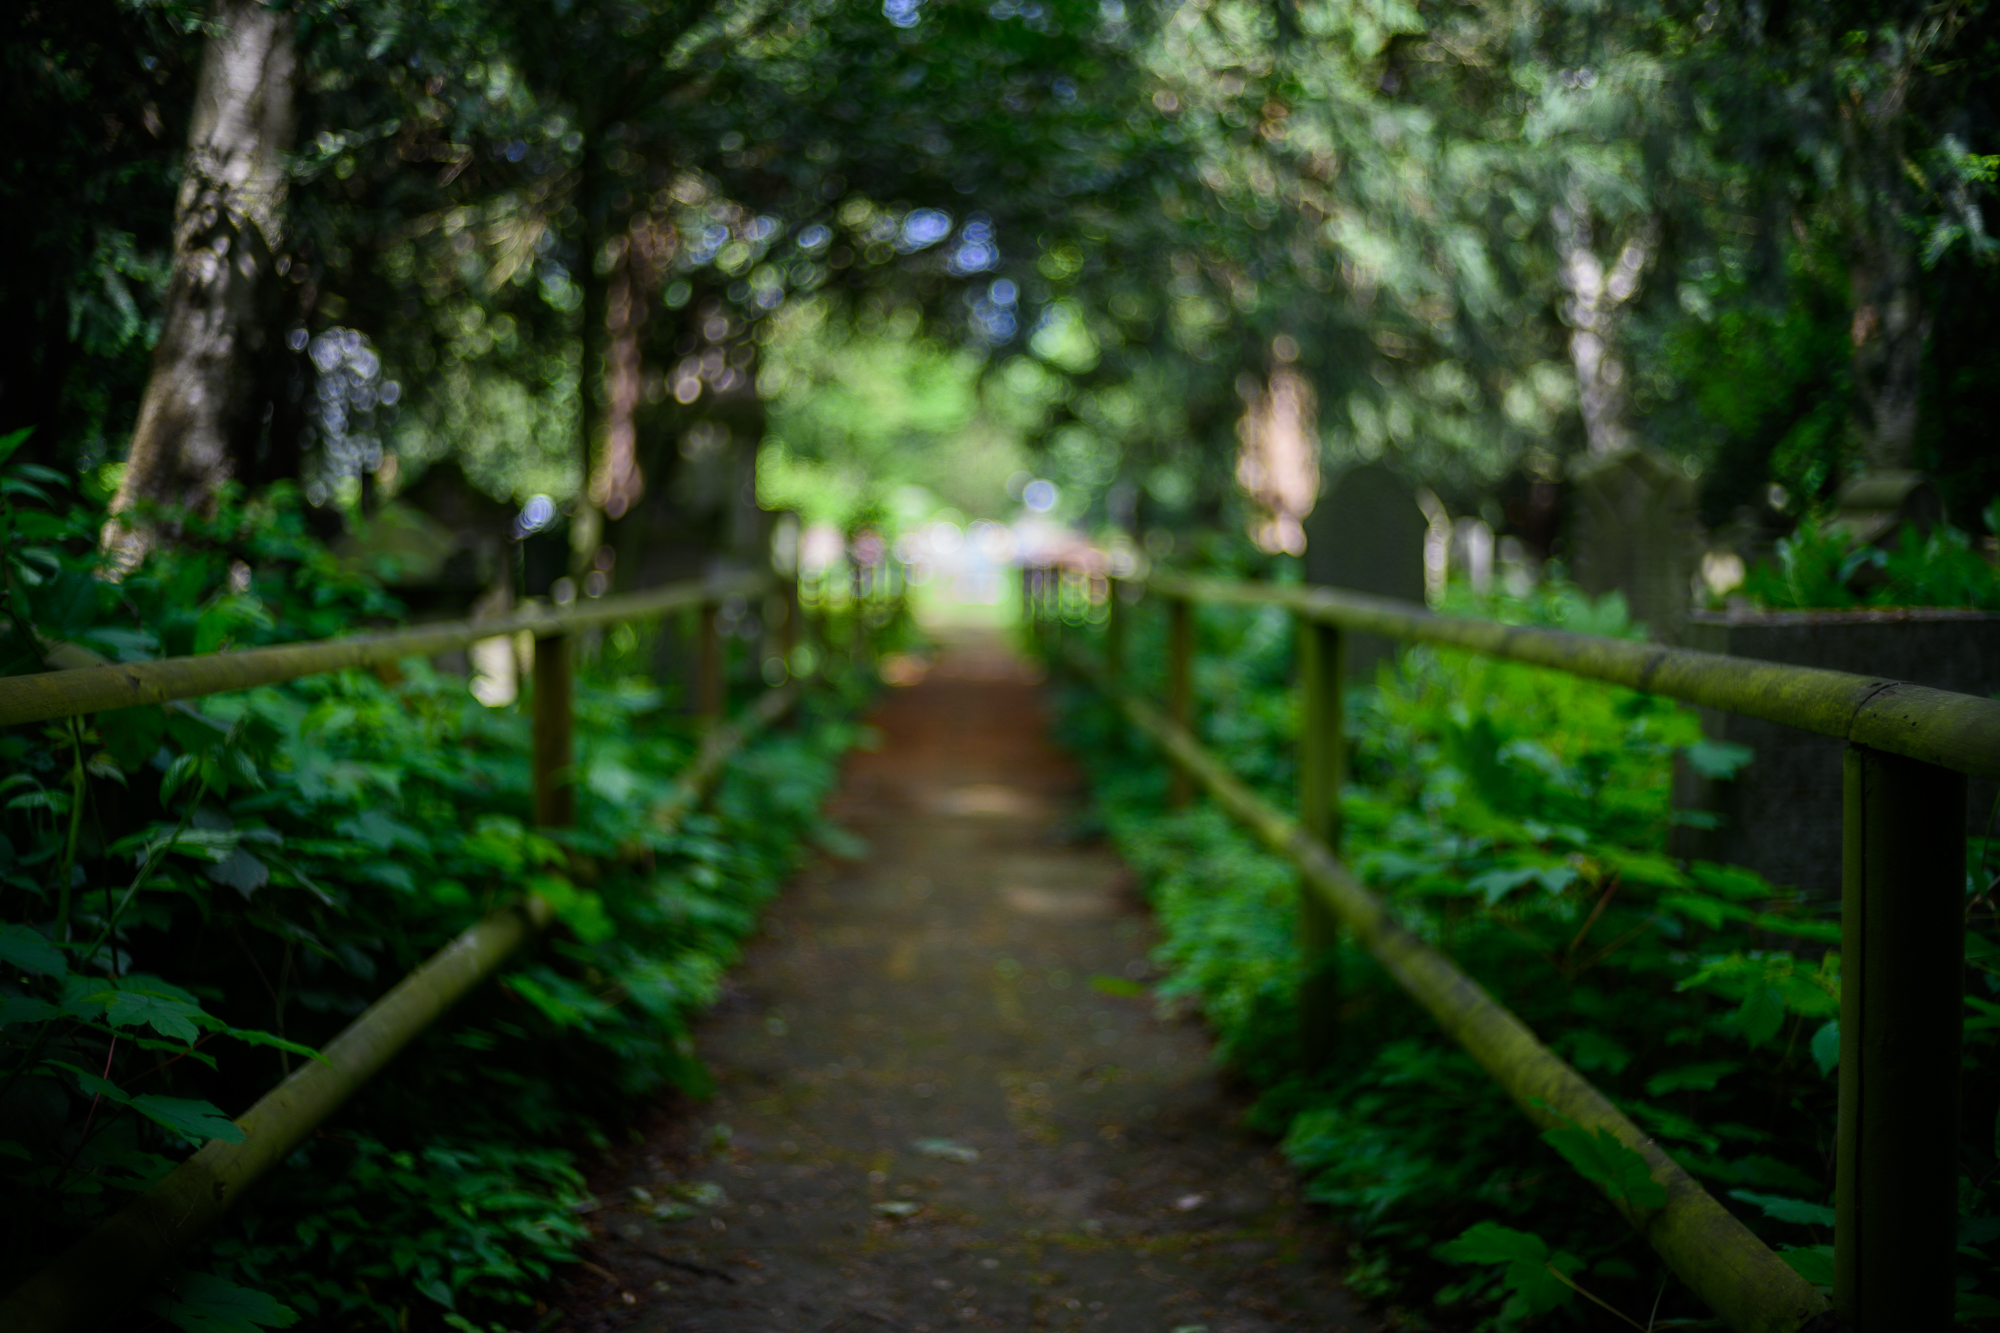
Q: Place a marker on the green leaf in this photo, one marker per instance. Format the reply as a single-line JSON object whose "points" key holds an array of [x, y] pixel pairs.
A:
{"points": [[396, 876], [1826, 1047], [1760, 1015], [66, 604], [579, 909], [1825, 932], [1710, 912], [167, 1009], [382, 833], [26, 1009], [1977, 1231], [1787, 1210], [436, 1290], [255, 1037], [1491, 1243], [178, 772], [1697, 1078], [206, 1303], [1599, 1157], [132, 735], [124, 645], [1814, 1263], [26, 948], [195, 1120], [1531, 1268], [14, 440], [241, 872], [1717, 759], [1642, 867], [95, 1085], [1495, 885], [1119, 986]]}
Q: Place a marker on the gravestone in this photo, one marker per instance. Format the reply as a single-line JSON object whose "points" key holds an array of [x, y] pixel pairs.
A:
{"points": [[1781, 814], [1874, 507], [1366, 535], [1633, 530]]}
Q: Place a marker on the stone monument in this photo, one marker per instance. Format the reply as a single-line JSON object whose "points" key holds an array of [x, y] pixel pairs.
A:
{"points": [[1366, 535], [1781, 815], [1633, 530]]}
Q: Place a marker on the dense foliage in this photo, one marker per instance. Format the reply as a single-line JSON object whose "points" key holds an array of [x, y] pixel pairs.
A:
{"points": [[1817, 568], [1517, 819], [522, 235], [196, 896]]}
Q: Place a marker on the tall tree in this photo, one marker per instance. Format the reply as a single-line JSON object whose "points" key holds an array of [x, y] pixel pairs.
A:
{"points": [[228, 222]]}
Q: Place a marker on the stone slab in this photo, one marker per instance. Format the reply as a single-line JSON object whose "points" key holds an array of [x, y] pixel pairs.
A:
{"points": [[1366, 534], [1781, 814]]}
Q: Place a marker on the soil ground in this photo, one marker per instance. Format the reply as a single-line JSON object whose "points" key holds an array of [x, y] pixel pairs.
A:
{"points": [[948, 1100]]}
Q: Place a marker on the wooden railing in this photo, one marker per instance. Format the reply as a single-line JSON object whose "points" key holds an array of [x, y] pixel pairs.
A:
{"points": [[88, 1285], [1909, 752]]}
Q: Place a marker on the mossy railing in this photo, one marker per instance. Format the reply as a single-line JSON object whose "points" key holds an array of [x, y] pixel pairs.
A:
{"points": [[89, 1284], [1910, 750]]}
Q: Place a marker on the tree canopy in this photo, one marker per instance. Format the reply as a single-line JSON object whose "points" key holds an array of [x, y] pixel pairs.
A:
{"points": [[557, 240]]}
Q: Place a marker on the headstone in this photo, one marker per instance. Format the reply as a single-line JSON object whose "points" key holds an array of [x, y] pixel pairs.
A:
{"points": [[1634, 531], [1472, 551], [1780, 815], [1366, 535], [1874, 507]]}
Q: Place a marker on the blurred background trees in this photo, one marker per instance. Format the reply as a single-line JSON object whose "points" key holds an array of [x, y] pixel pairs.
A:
{"points": [[637, 254]]}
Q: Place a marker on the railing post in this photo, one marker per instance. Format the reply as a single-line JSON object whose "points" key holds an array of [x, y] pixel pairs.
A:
{"points": [[1322, 774], [555, 755], [1180, 689], [792, 607], [1902, 970], [1036, 591], [1114, 628], [708, 664]]}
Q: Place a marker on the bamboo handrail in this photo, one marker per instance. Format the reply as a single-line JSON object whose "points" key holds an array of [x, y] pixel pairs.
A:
{"points": [[1956, 731], [89, 1283], [94, 689]]}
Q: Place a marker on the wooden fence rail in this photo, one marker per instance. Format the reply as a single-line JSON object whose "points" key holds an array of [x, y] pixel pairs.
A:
{"points": [[96, 1278], [1910, 749]]}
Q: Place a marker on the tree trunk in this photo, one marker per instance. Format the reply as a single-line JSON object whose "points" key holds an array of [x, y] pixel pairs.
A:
{"points": [[616, 479], [1592, 314], [1890, 323], [199, 401]]}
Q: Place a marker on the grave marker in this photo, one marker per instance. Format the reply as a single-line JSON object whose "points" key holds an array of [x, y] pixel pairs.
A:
{"points": [[1366, 535], [1633, 530]]}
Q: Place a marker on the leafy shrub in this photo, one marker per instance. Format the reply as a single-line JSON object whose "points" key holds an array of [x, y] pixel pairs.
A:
{"points": [[198, 896], [1817, 569]]}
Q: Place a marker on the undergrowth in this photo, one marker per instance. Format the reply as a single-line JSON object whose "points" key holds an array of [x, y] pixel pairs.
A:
{"points": [[1819, 567], [1516, 819], [193, 898]]}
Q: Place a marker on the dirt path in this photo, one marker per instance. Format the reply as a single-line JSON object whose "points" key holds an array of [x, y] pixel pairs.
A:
{"points": [[948, 1105]]}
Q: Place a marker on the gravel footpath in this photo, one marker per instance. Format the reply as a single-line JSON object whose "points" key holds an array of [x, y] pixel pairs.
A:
{"points": [[944, 1099]]}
